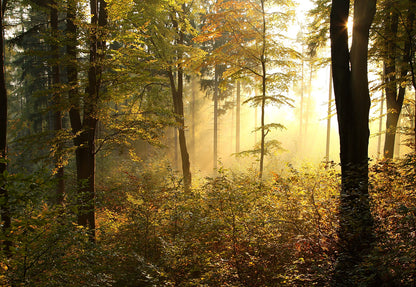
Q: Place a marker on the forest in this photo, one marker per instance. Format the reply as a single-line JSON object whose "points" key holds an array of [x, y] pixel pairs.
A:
{"points": [[207, 143]]}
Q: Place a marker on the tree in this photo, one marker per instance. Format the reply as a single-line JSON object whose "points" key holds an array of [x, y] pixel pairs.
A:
{"points": [[213, 79], [237, 117], [251, 51], [57, 117], [353, 103], [4, 194], [84, 124], [393, 47], [169, 33]]}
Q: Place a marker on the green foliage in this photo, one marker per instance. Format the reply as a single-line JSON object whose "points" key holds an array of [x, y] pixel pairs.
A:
{"points": [[48, 249], [393, 186], [232, 230]]}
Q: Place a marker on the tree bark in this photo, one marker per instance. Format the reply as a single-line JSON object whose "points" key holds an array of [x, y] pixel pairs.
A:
{"points": [[353, 104], [57, 117], [394, 96], [177, 97], [4, 193], [85, 129]]}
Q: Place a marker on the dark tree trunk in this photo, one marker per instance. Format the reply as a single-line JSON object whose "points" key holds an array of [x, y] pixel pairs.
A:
{"points": [[394, 97], [57, 117], [353, 104], [392, 120], [85, 130], [4, 194], [177, 97]]}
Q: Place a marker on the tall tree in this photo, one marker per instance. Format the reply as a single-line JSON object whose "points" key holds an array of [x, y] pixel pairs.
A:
{"points": [[177, 88], [57, 116], [218, 87], [251, 51], [4, 194], [169, 34], [84, 125], [353, 103], [237, 117], [393, 47]]}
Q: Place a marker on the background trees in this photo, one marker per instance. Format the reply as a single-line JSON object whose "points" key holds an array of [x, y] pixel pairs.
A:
{"points": [[393, 47], [251, 50]]}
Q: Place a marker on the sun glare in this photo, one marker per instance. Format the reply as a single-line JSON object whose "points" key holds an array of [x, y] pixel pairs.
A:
{"points": [[349, 25]]}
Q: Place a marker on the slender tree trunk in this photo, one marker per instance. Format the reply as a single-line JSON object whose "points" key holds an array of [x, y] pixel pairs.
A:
{"points": [[263, 85], [353, 103], [4, 193], [186, 166], [308, 101], [237, 118], [262, 122], [176, 144], [57, 117], [302, 88], [328, 124], [391, 129], [380, 125], [193, 113], [216, 92], [177, 97], [256, 118]]}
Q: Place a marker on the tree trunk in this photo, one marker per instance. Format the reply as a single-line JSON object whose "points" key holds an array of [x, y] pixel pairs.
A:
{"points": [[85, 130], [380, 125], [353, 103], [391, 128], [308, 101], [177, 97], [237, 118], [302, 88], [216, 92], [263, 86], [4, 194], [193, 113], [393, 100], [262, 121], [57, 117], [328, 124]]}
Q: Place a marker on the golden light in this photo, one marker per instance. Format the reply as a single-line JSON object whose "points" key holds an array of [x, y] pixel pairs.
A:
{"points": [[349, 25]]}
